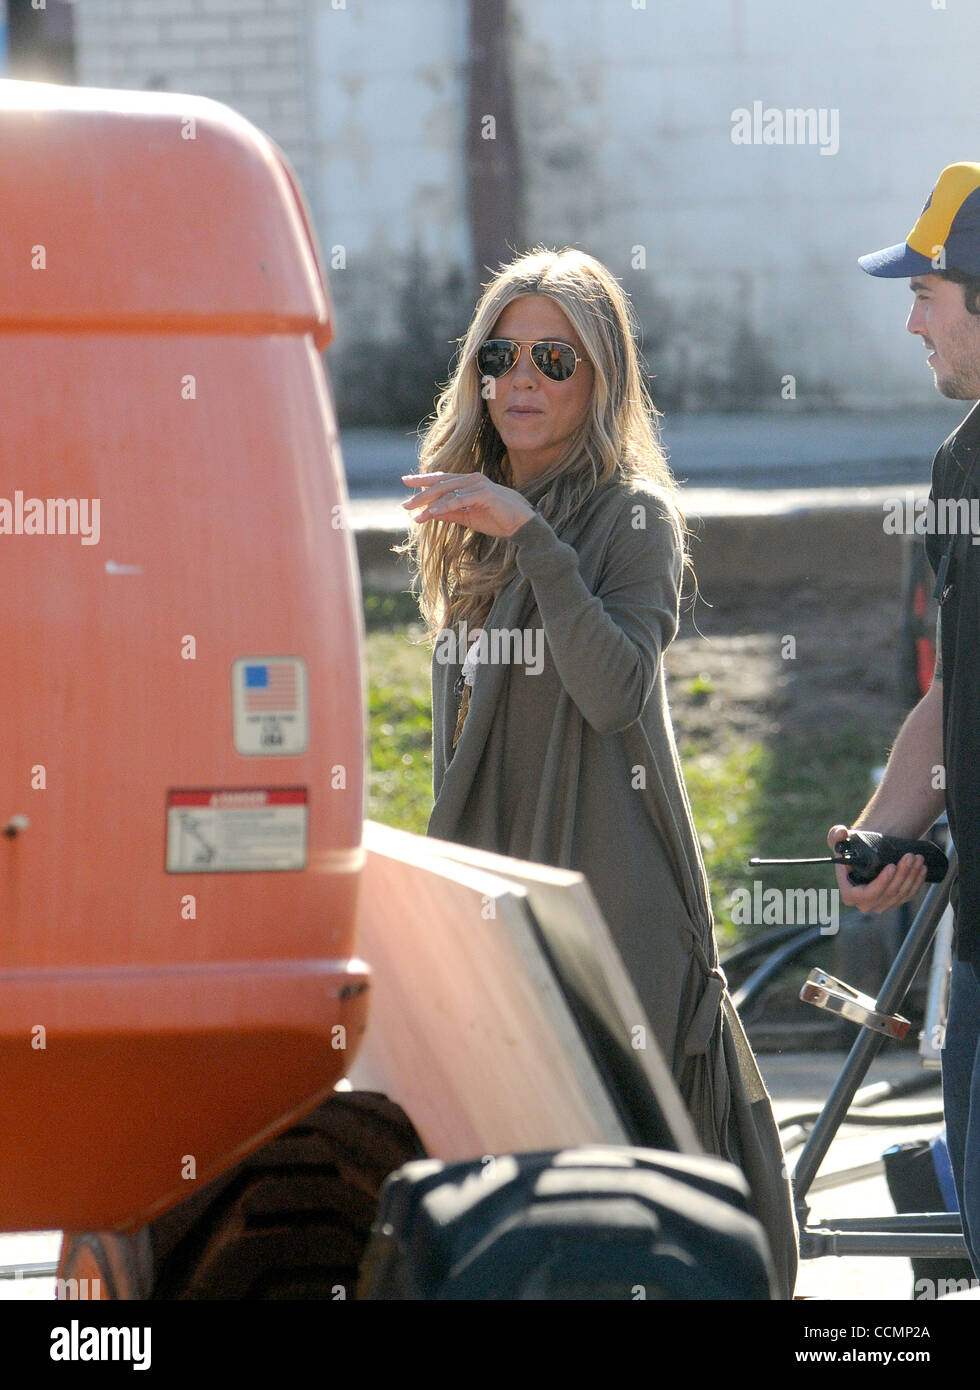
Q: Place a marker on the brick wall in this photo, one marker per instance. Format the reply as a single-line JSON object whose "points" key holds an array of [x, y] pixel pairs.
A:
{"points": [[250, 54]]}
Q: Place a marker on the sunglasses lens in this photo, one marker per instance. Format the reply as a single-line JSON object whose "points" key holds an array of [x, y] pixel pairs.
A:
{"points": [[555, 360], [496, 357]]}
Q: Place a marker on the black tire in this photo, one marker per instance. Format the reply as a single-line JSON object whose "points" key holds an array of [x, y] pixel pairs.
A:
{"points": [[290, 1221], [601, 1223]]}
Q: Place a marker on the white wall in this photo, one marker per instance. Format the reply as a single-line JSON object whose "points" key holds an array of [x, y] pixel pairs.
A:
{"points": [[625, 120], [389, 189]]}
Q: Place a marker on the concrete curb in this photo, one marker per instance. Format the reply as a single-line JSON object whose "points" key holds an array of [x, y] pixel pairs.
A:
{"points": [[740, 539]]}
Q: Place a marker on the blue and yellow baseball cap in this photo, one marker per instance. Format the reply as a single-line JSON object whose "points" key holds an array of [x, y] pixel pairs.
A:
{"points": [[947, 234]]}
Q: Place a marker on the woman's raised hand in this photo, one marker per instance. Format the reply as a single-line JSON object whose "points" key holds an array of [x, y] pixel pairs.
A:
{"points": [[470, 499]]}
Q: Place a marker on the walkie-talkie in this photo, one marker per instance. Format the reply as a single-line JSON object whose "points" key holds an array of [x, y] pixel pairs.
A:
{"points": [[866, 852]]}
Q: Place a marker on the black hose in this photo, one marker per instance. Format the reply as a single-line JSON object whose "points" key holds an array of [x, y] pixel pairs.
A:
{"points": [[893, 1090], [921, 1117], [876, 1094], [766, 941], [773, 963]]}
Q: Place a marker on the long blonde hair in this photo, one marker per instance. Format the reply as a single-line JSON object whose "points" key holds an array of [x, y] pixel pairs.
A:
{"points": [[457, 572]]}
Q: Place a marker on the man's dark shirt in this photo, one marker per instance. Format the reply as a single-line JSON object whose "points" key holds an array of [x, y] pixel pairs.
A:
{"points": [[956, 474]]}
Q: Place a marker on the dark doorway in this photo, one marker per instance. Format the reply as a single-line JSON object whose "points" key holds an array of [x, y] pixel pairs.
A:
{"points": [[40, 42]]}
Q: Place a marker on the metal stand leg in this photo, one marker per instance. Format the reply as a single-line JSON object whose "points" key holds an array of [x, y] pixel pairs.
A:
{"points": [[872, 1239]]}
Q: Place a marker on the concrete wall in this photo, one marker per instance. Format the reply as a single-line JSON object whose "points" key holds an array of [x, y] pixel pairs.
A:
{"points": [[740, 258]]}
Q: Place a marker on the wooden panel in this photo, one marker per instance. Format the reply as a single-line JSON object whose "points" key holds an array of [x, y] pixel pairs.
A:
{"points": [[569, 918], [468, 1030]]}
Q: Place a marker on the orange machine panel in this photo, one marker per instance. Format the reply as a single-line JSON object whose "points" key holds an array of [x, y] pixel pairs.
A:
{"points": [[181, 762]]}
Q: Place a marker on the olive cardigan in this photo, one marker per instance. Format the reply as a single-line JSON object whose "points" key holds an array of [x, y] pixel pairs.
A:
{"points": [[567, 757]]}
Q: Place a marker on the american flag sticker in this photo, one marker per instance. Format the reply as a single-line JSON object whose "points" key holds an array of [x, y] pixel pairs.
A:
{"points": [[270, 686], [270, 706]]}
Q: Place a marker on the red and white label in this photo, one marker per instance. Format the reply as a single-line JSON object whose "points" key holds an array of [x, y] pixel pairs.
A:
{"points": [[236, 829]]}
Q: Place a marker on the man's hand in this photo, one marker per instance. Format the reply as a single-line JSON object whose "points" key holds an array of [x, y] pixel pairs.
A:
{"points": [[481, 505], [895, 884], [906, 803]]}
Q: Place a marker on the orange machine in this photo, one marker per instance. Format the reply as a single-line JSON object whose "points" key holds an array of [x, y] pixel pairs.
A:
{"points": [[181, 765]]}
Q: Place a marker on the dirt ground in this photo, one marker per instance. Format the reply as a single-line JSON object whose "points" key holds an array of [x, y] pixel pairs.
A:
{"points": [[845, 666]]}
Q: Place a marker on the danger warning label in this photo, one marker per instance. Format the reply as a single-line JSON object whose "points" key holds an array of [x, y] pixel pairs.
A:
{"points": [[236, 830]]}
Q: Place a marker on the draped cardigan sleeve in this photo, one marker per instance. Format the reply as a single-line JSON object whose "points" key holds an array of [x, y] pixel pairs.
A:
{"points": [[607, 646]]}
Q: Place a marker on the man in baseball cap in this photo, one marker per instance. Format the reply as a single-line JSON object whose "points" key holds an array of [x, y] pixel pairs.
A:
{"points": [[935, 762]]}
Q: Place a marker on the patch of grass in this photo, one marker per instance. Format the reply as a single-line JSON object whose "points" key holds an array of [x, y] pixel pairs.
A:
{"points": [[399, 726], [774, 800], [699, 688]]}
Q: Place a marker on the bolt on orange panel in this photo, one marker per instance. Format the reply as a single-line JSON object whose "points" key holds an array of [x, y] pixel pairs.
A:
{"points": [[181, 765]]}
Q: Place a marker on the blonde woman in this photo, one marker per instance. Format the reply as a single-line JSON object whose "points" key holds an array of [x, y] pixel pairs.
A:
{"points": [[549, 553]]}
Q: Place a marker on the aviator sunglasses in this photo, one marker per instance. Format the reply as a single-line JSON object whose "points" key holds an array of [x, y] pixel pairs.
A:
{"points": [[556, 361]]}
